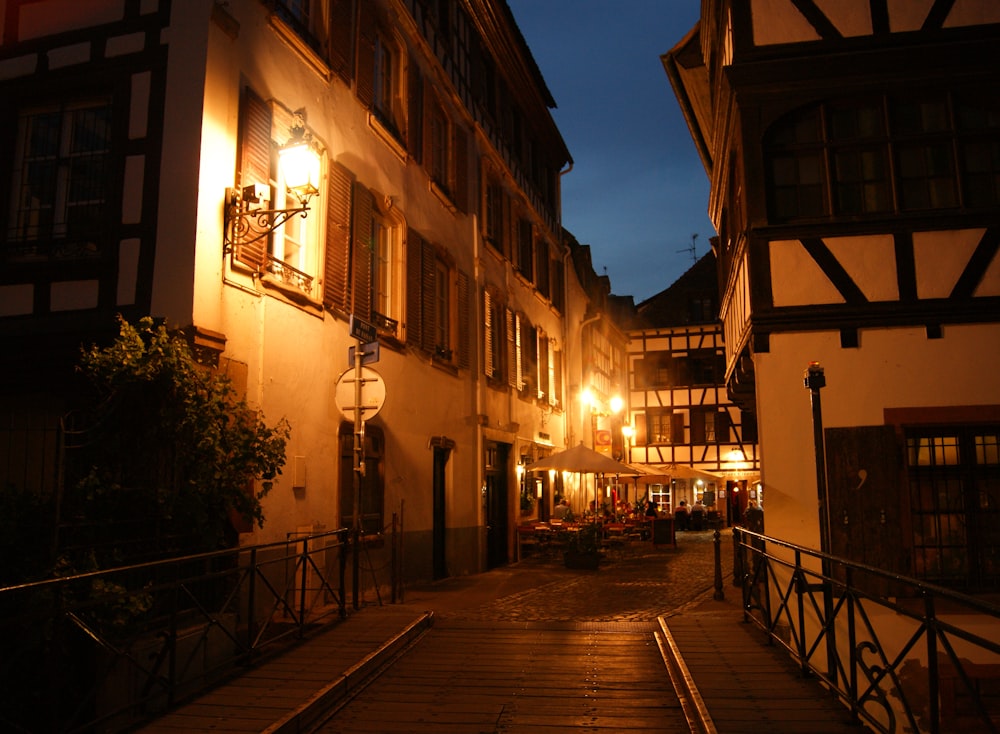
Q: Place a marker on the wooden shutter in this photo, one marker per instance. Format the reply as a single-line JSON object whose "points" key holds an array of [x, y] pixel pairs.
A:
{"points": [[338, 239], [428, 297], [544, 383], [415, 113], [640, 429], [414, 293], [255, 167], [464, 351], [865, 498], [512, 350], [722, 424], [342, 38], [461, 193], [361, 255], [676, 428], [366, 53], [489, 335]]}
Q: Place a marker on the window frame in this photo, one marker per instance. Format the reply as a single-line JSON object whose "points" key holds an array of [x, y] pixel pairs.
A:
{"points": [[59, 237], [960, 474], [909, 155]]}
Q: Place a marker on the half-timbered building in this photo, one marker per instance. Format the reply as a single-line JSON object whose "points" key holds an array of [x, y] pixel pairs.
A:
{"points": [[681, 413], [854, 156]]}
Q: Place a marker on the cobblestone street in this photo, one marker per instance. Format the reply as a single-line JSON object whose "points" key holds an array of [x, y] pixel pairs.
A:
{"points": [[636, 583]]}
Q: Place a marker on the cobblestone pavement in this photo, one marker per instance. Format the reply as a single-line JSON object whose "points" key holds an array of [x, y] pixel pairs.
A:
{"points": [[636, 583]]}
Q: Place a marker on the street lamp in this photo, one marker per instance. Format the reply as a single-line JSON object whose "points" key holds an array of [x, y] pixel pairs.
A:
{"points": [[247, 218], [628, 431]]}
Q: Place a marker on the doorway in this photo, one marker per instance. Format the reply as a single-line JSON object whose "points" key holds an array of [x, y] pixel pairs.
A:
{"points": [[439, 550], [497, 503]]}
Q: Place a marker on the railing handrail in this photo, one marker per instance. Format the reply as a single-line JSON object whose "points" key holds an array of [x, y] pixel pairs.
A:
{"points": [[924, 586], [161, 630], [165, 562], [881, 672]]}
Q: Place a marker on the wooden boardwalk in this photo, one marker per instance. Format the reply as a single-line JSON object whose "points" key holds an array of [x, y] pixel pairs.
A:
{"points": [[583, 657], [477, 677]]}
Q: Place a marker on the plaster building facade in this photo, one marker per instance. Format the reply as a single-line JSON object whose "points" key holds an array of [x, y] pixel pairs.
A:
{"points": [[137, 133], [685, 426]]}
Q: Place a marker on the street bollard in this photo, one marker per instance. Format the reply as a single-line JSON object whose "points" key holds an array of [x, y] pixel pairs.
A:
{"points": [[717, 540]]}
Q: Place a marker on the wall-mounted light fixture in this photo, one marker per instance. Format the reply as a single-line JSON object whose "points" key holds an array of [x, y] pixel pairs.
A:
{"points": [[247, 216]]}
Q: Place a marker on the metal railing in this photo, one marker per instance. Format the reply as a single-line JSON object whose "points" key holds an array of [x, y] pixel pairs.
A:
{"points": [[901, 654], [101, 651]]}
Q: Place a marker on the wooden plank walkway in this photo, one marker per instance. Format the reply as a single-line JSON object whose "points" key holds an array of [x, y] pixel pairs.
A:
{"points": [[748, 686], [475, 677], [286, 693]]}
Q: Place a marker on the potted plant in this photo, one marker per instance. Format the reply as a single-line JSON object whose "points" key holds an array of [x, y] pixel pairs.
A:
{"points": [[584, 547]]}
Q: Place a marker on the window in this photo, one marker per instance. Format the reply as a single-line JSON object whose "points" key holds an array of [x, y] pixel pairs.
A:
{"points": [[496, 200], [703, 367], [437, 304], [387, 286], [664, 426], [655, 370], [882, 155], [380, 72], [60, 180], [290, 256], [439, 147], [307, 18], [294, 249], [954, 492], [525, 249], [493, 319], [385, 102], [703, 426]]}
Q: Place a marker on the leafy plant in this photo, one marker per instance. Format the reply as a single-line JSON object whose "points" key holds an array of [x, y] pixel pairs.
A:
{"points": [[171, 451]]}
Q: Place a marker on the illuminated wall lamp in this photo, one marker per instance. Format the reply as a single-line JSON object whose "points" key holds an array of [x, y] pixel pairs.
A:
{"points": [[299, 167]]}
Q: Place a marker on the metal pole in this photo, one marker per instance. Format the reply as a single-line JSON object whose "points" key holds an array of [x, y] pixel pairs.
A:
{"points": [[359, 472], [815, 380], [719, 593]]}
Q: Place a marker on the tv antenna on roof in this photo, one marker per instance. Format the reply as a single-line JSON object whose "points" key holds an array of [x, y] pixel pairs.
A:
{"points": [[692, 249]]}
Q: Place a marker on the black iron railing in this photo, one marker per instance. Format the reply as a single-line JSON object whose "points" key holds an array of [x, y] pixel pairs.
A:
{"points": [[901, 654], [104, 650]]}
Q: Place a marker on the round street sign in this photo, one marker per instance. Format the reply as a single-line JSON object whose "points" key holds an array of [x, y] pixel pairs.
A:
{"points": [[372, 393]]}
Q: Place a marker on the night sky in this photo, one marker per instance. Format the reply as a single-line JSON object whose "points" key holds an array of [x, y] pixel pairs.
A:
{"points": [[637, 192]]}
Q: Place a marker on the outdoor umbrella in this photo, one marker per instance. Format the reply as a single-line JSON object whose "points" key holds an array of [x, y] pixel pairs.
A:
{"points": [[582, 460], [679, 471]]}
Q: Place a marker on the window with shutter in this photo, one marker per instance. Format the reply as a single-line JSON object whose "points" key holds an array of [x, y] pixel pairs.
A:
{"points": [[434, 287], [525, 249], [464, 357], [255, 167], [555, 366], [513, 352], [338, 239], [544, 370], [363, 249]]}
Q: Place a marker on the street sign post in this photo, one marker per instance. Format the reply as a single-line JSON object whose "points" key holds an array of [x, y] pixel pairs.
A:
{"points": [[362, 330], [369, 353]]}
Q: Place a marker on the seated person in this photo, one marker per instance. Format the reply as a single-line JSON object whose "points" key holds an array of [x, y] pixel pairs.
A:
{"points": [[560, 510], [697, 516], [651, 509], [681, 516]]}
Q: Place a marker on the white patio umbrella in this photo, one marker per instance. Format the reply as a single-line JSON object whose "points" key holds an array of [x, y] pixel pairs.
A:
{"points": [[582, 460]]}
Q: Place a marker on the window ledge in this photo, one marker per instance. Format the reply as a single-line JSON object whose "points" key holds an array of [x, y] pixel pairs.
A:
{"points": [[443, 196], [275, 285], [313, 60], [387, 136]]}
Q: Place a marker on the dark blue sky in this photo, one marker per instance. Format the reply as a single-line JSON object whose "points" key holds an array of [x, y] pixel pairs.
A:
{"points": [[637, 191]]}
